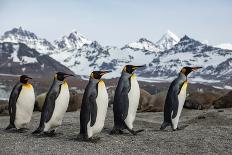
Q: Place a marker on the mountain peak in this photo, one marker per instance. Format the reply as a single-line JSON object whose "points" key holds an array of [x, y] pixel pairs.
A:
{"points": [[167, 41], [142, 44], [19, 32], [73, 40], [172, 35], [19, 35]]}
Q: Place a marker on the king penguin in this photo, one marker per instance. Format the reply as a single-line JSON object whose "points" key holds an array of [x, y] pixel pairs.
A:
{"points": [[55, 105], [94, 106], [175, 98], [21, 103], [126, 101]]}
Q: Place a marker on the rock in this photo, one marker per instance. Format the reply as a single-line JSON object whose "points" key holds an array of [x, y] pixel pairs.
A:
{"points": [[3, 107], [200, 100], [39, 101], [74, 101], [156, 103], [144, 100], [224, 101], [111, 91]]}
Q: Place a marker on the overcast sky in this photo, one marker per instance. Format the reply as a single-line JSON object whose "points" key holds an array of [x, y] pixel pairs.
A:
{"points": [[117, 22]]}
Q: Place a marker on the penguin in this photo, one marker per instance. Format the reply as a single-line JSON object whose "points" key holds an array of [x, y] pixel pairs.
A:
{"points": [[94, 107], [55, 105], [126, 101], [175, 99], [21, 104]]}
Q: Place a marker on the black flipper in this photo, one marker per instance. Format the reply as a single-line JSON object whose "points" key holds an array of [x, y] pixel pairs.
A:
{"points": [[12, 104], [93, 109]]}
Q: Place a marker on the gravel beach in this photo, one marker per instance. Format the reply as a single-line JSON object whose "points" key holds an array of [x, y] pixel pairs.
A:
{"points": [[203, 132]]}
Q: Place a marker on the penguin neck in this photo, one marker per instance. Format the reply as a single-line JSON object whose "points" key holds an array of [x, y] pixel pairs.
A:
{"points": [[125, 75], [182, 77], [58, 81], [93, 81]]}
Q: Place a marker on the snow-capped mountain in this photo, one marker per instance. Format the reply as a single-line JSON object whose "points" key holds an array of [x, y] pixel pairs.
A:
{"points": [[18, 58], [189, 52], [143, 44], [227, 46], [18, 35], [72, 41], [163, 59], [167, 41], [96, 57]]}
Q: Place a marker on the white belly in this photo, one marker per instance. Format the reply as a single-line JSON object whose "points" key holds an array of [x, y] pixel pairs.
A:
{"points": [[181, 98], [24, 107], [102, 104], [133, 96], [61, 105]]}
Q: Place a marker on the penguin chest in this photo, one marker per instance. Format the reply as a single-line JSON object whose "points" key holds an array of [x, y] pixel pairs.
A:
{"points": [[133, 96], [24, 106], [61, 105], [102, 105]]}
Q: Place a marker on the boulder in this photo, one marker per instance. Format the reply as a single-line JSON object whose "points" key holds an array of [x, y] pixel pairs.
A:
{"points": [[200, 100], [156, 103], [3, 107], [74, 101], [224, 101], [111, 91], [39, 101], [144, 100]]}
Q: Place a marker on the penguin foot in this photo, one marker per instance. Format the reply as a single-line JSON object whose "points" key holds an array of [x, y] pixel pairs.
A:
{"points": [[94, 140], [22, 130], [164, 125], [177, 129], [116, 132], [10, 126], [136, 132], [50, 134]]}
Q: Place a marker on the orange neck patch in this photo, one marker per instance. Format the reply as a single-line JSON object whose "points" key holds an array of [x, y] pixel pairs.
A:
{"points": [[65, 84], [27, 85], [133, 76]]}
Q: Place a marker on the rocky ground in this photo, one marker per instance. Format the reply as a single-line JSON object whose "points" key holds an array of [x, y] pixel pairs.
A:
{"points": [[203, 132]]}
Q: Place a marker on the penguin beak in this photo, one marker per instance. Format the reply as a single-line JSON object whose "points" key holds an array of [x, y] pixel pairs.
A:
{"points": [[67, 75], [136, 67], [28, 78], [195, 68]]}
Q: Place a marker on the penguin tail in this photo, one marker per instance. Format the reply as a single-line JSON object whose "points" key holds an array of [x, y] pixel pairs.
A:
{"points": [[38, 130], [10, 126]]}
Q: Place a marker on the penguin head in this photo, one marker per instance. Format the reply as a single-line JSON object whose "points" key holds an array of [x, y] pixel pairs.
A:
{"points": [[131, 68], [187, 70], [24, 79], [61, 76], [98, 74]]}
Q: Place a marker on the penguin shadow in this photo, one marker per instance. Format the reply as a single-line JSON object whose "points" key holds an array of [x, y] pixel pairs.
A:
{"points": [[94, 140], [47, 135], [14, 130], [182, 127]]}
